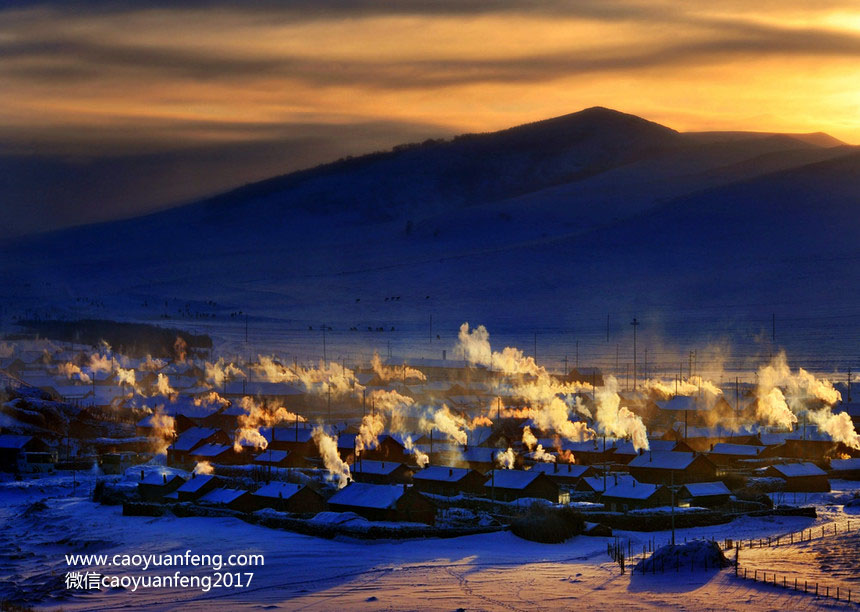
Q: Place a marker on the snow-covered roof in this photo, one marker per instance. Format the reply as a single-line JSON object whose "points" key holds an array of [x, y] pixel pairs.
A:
{"points": [[191, 437], [263, 388], [364, 495], [439, 473], [211, 450], [157, 478], [300, 434], [726, 448], [632, 490], [480, 454], [271, 456], [511, 479], [275, 490], [13, 441], [663, 460], [845, 464], [661, 445], [596, 482], [380, 468], [568, 470], [795, 470], [222, 496], [195, 483], [706, 489]]}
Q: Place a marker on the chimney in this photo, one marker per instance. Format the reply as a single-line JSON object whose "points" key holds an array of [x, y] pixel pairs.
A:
{"points": [[164, 477], [555, 467], [405, 487], [444, 354], [450, 472], [616, 479], [141, 474]]}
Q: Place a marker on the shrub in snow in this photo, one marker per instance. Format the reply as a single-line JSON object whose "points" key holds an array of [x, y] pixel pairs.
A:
{"points": [[549, 525], [700, 553]]}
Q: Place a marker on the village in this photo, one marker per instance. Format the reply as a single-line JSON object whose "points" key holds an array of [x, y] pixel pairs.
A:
{"points": [[412, 447]]}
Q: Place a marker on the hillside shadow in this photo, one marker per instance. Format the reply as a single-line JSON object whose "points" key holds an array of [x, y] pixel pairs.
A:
{"points": [[671, 581]]}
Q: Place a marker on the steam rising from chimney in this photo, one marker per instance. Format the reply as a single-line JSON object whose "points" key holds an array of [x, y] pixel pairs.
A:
{"points": [[256, 416], [452, 425], [180, 349], [401, 373], [615, 420], [203, 467], [163, 387], [338, 470], [531, 443], [163, 430], [506, 459], [220, 372], [70, 370], [126, 377]]}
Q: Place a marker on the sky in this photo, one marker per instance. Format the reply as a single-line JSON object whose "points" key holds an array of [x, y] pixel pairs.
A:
{"points": [[114, 108]]}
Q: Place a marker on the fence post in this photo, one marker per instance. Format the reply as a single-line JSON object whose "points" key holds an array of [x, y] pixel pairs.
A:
{"points": [[795, 584], [816, 589], [755, 576]]}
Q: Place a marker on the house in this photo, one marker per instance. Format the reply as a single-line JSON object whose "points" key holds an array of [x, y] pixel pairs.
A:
{"points": [[191, 439], [155, 485], [508, 485], [381, 472], [384, 503], [590, 452], [598, 484], [224, 454], [388, 448], [847, 469], [728, 454], [296, 439], [449, 481], [705, 494], [280, 459], [145, 426], [631, 495], [25, 454], [196, 486], [233, 499], [672, 468], [564, 474], [800, 477], [289, 497]]}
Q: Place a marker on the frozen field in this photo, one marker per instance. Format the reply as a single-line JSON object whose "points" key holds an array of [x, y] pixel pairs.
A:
{"points": [[483, 572]]}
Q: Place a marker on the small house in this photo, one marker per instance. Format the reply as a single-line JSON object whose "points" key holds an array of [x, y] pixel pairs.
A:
{"points": [[232, 499], [564, 474], [509, 485], [672, 468], [196, 486], [728, 454], [384, 503], [289, 497], [25, 454], [155, 485], [800, 477], [224, 454], [704, 494], [449, 481], [847, 469], [632, 495], [381, 472], [280, 459], [191, 439]]}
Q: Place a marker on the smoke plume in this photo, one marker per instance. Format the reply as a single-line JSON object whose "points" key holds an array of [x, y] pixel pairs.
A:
{"points": [[506, 459], [618, 421], [338, 470], [401, 373]]}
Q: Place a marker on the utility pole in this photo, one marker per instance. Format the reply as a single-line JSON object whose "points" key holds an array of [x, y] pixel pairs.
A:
{"points": [[617, 353], [431, 328], [635, 324], [577, 354], [607, 329], [645, 366], [773, 328], [691, 364], [565, 365], [324, 353], [246, 329], [535, 347]]}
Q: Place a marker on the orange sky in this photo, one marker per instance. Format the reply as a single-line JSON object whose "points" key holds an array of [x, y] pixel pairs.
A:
{"points": [[117, 106], [169, 77]]}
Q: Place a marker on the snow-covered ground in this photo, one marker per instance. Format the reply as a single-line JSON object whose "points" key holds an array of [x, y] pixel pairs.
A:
{"points": [[489, 571]]}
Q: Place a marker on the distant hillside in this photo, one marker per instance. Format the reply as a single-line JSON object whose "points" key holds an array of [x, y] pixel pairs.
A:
{"points": [[552, 226]]}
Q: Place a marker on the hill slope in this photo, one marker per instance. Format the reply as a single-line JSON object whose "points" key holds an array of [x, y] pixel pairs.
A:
{"points": [[548, 226]]}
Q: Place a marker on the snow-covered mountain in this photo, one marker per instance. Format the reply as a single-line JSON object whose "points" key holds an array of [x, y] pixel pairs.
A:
{"points": [[547, 228]]}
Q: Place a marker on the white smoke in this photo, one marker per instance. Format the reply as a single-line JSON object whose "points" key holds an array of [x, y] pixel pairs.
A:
{"points": [[401, 373], [452, 425], [162, 385], [203, 467], [220, 372], [256, 416], [618, 421], [506, 459], [338, 470], [126, 377], [70, 370]]}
